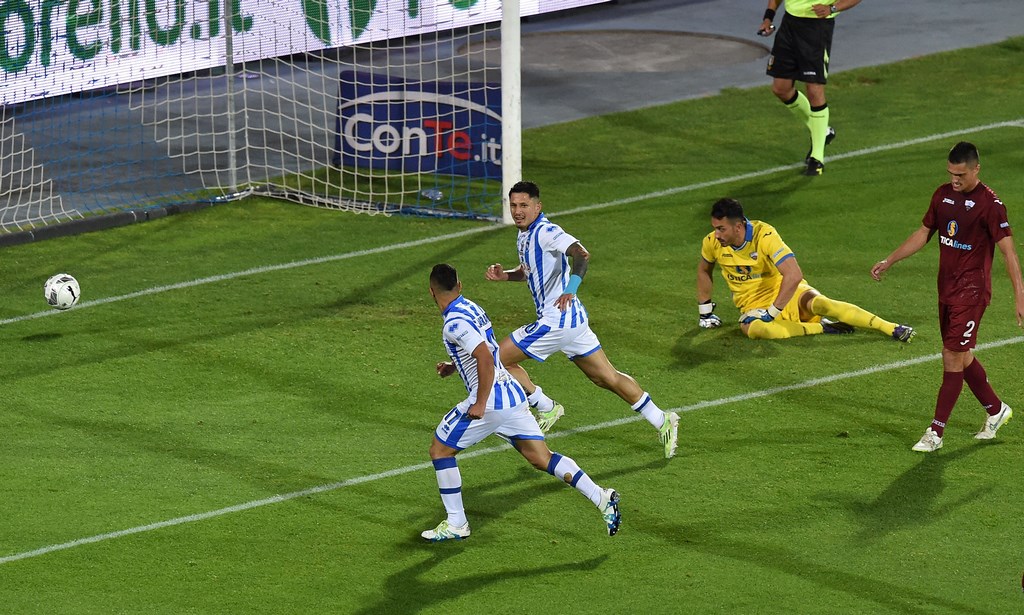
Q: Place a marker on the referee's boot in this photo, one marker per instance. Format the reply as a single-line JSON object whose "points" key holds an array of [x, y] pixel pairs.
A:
{"points": [[814, 168], [828, 140]]}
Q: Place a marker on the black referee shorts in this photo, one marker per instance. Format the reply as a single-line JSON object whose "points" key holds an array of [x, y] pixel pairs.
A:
{"points": [[801, 50]]}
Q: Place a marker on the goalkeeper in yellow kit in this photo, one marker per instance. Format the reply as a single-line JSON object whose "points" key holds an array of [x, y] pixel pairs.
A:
{"points": [[767, 285]]}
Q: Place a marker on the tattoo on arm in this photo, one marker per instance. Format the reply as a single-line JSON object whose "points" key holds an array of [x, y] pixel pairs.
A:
{"points": [[580, 258]]}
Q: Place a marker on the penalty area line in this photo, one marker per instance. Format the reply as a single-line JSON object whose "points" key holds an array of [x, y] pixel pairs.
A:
{"points": [[276, 499], [1019, 123]]}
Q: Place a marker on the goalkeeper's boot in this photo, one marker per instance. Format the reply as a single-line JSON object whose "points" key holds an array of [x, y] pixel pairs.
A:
{"points": [[929, 442], [814, 168], [834, 327], [444, 531], [994, 422], [547, 420], [609, 508], [829, 136], [669, 434], [903, 333]]}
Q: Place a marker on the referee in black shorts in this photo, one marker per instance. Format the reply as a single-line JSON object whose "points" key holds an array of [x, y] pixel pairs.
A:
{"points": [[801, 53]]}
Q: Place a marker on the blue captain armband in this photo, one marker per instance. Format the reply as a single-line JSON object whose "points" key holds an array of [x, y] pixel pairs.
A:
{"points": [[573, 285]]}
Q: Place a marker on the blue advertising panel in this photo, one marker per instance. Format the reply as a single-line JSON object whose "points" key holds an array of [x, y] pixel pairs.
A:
{"points": [[419, 127]]}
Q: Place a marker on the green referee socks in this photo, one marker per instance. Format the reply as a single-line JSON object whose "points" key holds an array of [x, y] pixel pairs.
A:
{"points": [[817, 123], [800, 107]]}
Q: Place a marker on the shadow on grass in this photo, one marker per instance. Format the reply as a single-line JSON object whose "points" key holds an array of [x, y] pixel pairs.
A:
{"points": [[912, 499], [697, 347], [888, 596], [407, 591], [189, 449]]}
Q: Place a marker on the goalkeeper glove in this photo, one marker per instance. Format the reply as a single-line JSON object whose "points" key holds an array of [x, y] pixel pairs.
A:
{"points": [[708, 320], [760, 314]]}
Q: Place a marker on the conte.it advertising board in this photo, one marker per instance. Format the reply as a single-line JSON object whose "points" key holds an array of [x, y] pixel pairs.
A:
{"points": [[419, 126], [56, 47]]}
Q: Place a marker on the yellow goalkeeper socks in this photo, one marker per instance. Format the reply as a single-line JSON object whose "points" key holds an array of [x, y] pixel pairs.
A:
{"points": [[781, 329], [850, 314]]}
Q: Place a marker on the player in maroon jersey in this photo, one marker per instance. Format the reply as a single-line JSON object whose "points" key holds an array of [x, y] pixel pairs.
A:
{"points": [[970, 221]]}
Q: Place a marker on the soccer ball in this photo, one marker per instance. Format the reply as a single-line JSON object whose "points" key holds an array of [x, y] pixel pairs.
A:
{"points": [[62, 291]]}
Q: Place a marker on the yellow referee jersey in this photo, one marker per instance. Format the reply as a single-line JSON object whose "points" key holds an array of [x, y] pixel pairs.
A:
{"points": [[802, 8]]}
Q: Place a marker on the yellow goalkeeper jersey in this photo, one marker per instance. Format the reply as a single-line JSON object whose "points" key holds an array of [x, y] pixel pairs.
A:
{"points": [[751, 269]]}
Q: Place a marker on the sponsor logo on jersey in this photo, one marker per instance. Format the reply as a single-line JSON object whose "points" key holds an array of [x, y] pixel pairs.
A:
{"points": [[743, 277], [948, 201], [753, 256], [951, 229], [744, 273], [953, 243]]}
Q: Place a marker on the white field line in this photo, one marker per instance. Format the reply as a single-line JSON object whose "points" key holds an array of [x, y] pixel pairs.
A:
{"points": [[480, 452], [483, 229], [484, 451]]}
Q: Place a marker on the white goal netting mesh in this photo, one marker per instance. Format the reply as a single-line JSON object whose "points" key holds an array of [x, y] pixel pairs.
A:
{"points": [[378, 106]]}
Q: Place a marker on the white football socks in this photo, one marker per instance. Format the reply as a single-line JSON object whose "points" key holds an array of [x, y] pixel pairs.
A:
{"points": [[650, 411], [540, 401], [449, 483], [569, 471]]}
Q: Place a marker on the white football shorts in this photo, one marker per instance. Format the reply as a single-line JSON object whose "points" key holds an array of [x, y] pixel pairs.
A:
{"points": [[539, 341], [459, 431]]}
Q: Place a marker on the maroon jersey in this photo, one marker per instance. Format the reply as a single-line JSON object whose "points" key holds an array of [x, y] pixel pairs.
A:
{"points": [[968, 226]]}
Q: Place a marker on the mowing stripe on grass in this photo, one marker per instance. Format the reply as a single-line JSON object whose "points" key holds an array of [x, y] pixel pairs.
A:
{"points": [[482, 229], [479, 452]]}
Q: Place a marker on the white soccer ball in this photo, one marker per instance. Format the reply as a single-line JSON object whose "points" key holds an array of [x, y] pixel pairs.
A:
{"points": [[62, 291]]}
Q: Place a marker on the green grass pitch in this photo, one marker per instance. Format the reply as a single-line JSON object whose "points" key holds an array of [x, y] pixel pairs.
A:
{"points": [[236, 418]]}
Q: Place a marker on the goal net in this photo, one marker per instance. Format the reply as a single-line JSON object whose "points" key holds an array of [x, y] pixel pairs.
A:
{"points": [[375, 106]]}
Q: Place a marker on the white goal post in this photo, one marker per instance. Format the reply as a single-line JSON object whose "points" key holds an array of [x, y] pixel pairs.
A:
{"points": [[375, 106]]}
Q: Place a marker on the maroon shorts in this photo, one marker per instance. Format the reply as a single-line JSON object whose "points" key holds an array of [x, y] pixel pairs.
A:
{"points": [[959, 326]]}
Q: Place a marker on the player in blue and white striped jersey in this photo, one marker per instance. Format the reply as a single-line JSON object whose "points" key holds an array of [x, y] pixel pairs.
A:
{"points": [[545, 252], [496, 404]]}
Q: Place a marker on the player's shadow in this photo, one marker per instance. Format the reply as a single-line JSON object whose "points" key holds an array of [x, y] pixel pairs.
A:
{"points": [[260, 472], [43, 337], [407, 591], [711, 538], [913, 498], [696, 347], [770, 197], [416, 587]]}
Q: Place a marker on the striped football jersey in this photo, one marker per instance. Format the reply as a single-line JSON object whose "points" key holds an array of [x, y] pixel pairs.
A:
{"points": [[542, 255], [466, 326]]}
